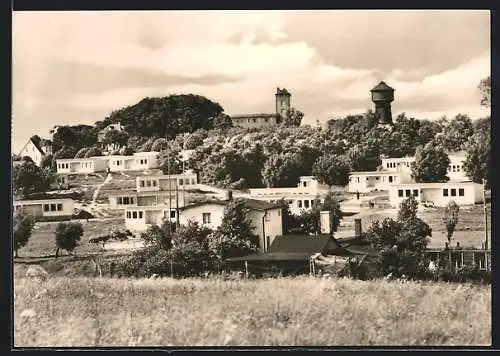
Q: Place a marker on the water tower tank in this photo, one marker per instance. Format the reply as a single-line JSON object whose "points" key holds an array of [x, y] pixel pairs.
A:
{"points": [[382, 96]]}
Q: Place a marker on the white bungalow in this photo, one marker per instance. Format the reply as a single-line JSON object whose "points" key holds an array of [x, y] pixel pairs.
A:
{"points": [[138, 161], [81, 165], [364, 182], [45, 207], [299, 198], [166, 182], [439, 194]]}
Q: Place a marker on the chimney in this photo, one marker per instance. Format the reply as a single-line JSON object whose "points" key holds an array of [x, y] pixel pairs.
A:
{"points": [[229, 195], [325, 222], [357, 228]]}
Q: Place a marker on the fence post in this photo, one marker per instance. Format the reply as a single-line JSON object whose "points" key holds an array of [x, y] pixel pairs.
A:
{"points": [[246, 269], [462, 259], [473, 259], [171, 269]]}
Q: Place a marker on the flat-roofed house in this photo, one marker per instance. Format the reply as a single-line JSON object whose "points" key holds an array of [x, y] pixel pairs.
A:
{"points": [[299, 198], [45, 207], [440, 194], [166, 182], [138, 161], [81, 165]]}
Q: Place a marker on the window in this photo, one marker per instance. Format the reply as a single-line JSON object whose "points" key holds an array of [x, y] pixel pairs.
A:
{"points": [[53, 207], [131, 200], [304, 184], [357, 179], [453, 168], [141, 183], [134, 214], [148, 183], [306, 204], [266, 119], [445, 192], [408, 192], [206, 218], [299, 203], [387, 165], [415, 192], [390, 179], [254, 120], [117, 163], [154, 183], [279, 212], [453, 192], [145, 161], [461, 192], [125, 200], [367, 179], [140, 214], [267, 217], [172, 214], [181, 181], [120, 200], [377, 178], [128, 215], [400, 193], [59, 207], [268, 242], [46, 207]]}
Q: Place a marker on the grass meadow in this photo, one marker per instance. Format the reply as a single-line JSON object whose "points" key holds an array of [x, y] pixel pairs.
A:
{"points": [[76, 312]]}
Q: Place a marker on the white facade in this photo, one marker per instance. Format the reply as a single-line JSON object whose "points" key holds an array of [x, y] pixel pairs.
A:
{"points": [[138, 161], [463, 193], [266, 223], [81, 165], [299, 198], [165, 198], [166, 182], [139, 218], [364, 182], [402, 164], [45, 207], [456, 171], [31, 150]]}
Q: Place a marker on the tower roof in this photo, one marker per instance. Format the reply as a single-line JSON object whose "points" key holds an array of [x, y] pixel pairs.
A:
{"points": [[382, 86], [282, 92]]}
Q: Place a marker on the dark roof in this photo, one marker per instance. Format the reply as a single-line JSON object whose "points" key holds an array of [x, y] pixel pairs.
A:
{"points": [[37, 146], [302, 247], [250, 116], [382, 86], [301, 243], [282, 92], [250, 203]]}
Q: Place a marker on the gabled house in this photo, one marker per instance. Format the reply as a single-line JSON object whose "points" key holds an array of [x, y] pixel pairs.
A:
{"points": [[35, 150], [102, 133]]}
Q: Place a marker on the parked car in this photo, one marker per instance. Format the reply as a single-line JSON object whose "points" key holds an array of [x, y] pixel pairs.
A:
{"points": [[428, 204]]}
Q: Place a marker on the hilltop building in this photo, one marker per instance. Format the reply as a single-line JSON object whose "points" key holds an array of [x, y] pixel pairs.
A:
{"points": [[282, 105], [383, 96]]}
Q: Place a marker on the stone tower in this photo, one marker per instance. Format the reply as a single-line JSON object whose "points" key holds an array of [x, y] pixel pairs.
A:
{"points": [[282, 101], [382, 96]]}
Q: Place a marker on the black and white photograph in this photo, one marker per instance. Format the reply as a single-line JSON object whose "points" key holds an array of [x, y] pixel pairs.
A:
{"points": [[251, 178]]}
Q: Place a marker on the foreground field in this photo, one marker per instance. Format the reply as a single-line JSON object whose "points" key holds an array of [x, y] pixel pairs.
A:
{"points": [[282, 312]]}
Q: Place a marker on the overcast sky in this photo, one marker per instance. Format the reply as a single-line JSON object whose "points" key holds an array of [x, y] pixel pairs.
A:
{"points": [[76, 67]]}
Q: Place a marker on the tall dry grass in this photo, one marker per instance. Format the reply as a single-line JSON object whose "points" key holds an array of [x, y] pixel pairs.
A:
{"points": [[286, 312]]}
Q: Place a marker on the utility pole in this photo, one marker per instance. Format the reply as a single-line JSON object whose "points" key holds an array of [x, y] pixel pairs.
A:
{"points": [[169, 193], [485, 225]]}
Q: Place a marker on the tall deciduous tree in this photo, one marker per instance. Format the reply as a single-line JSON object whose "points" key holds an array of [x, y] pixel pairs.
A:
{"points": [[477, 157], [450, 218], [293, 117], [23, 227], [331, 170], [485, 90], [430, 165], [401, 243], [28, 178], [67, 236]]}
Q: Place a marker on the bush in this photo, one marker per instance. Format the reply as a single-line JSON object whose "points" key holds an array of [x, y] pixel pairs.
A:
{"points": [[53, 218], [83, 214]]}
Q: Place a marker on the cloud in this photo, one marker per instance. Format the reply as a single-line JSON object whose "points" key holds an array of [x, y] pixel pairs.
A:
{"points": [[78, 67]]}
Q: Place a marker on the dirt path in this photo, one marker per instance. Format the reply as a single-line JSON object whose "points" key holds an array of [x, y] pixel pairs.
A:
{"points": [[94, 209]]}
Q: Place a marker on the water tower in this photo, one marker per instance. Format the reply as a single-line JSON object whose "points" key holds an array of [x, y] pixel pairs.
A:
{"points": [[382, 96]]}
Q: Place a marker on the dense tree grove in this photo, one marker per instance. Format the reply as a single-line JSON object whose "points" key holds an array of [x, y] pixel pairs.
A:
{"points": [[431, 164], [28, 178]]}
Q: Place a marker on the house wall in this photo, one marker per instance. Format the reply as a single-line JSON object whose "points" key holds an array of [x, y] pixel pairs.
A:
{"points": [[272, 226], [31, 151], [398, 164], [254, 122], [80, 165], [366, 183], [435, 194], [196, 214], [114, 201], [51, 207]]}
